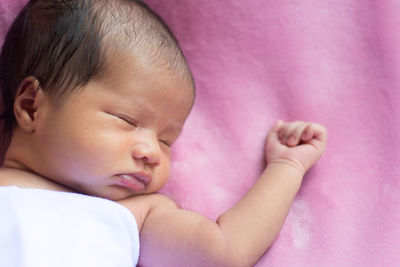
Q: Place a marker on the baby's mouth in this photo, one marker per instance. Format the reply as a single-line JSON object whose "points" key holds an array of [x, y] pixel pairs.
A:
{"points": [[135, 181]]}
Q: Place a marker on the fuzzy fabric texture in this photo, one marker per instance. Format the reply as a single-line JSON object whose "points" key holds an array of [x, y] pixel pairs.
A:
{"points": [[335, 62]]}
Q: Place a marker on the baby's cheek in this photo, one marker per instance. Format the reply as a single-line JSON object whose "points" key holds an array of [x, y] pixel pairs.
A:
{"points": [[161, 174]]}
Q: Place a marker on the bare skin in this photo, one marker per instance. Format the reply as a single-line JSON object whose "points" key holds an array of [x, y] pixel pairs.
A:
{"points": [[116, 144]]}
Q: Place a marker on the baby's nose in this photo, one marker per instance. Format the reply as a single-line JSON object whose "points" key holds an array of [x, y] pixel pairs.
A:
{"points": [[147, 150]]}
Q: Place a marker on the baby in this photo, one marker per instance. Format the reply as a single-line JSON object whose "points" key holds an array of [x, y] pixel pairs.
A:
{"points": [[95, 93]]}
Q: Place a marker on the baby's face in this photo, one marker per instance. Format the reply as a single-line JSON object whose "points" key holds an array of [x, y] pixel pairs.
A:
{"points": [[113, 138]]}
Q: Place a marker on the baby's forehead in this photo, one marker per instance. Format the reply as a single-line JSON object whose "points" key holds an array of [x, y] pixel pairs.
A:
{"points": [[130, 61]]}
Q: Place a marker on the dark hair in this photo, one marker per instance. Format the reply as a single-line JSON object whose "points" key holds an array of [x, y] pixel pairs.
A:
{"points": [[65, 43]]}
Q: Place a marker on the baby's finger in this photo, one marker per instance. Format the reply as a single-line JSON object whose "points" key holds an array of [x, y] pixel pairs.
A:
{"points": [[285, 129], [273, 133], [297, 134], [277, 126], [316, 133], [308, 133], [290, 133]]}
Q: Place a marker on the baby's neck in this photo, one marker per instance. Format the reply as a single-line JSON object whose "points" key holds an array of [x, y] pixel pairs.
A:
{"points": [[22, 178], [15, 172]]}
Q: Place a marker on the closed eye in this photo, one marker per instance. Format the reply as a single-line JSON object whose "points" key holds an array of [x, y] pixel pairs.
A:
{"points": [[127, 120], [168, 144]]}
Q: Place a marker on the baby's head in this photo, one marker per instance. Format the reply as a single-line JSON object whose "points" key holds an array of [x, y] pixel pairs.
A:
{"points": [[95, 92]]}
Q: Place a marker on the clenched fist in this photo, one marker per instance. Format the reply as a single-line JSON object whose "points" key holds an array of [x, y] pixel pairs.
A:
{"points": [[298, 144]]}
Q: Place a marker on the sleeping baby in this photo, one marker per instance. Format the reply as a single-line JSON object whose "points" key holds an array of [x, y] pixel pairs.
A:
{"points": [[94, 95]]}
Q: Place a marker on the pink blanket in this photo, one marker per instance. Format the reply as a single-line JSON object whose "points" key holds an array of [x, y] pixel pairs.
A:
{"points": [[336, 62]]}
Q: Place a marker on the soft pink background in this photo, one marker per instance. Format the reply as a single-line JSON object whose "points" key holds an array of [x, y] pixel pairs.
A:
{"points": [[336, 62]]}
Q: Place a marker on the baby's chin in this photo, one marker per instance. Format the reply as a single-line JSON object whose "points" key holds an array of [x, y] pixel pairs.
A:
{"points": [[114, 193]]}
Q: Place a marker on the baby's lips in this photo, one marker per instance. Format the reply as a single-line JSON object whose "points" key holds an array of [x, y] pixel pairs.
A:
{"points": [[135, 181], [143, 177]]}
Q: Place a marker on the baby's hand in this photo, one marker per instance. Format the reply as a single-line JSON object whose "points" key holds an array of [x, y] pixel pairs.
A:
{"points": [[299, 144]]}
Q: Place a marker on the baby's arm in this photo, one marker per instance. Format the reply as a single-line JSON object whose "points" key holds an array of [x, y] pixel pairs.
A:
{"points": [[292, 148], [174, 237]]}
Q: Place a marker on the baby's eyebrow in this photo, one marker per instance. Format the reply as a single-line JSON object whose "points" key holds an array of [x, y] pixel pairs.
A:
{"points": [[145, 110], [172, 129]]}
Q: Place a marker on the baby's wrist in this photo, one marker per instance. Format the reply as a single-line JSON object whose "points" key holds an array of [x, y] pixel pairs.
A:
{"points": [[290, 165], [284, 173]]}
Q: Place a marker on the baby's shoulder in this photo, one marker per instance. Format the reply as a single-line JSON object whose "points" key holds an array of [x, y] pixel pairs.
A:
{"points": [[142, 205], [4, 173], [25, 179], [9, 177]]}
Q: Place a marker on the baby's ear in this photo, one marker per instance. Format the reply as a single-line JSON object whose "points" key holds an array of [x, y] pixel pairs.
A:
{"points": [[28, 99]]}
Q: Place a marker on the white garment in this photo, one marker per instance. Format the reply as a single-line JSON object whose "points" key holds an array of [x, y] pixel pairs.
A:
{"points": [[41, 228]]}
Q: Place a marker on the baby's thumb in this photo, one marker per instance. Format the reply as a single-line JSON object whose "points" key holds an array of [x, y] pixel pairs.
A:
{"points": [[273, 133]]}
